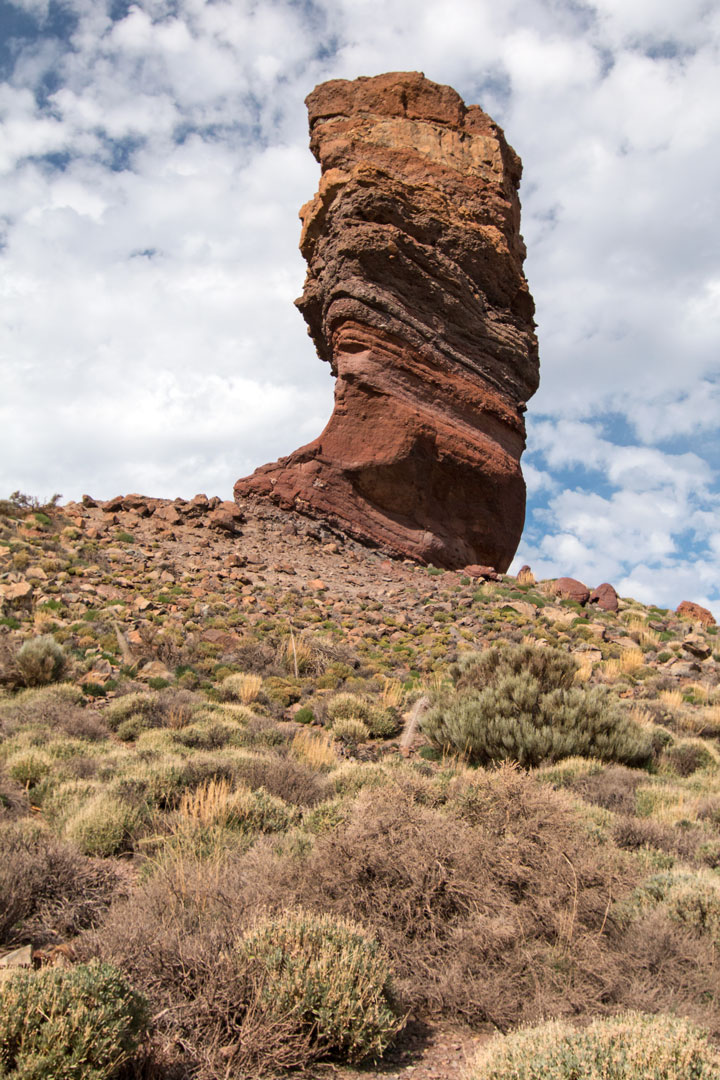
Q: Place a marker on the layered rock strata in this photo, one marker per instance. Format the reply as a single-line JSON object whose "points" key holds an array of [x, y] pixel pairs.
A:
{"points": [[415, 296]]}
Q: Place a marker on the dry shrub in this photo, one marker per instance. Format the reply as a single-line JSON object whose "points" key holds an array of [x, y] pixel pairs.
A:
{"points": [[687, 756], [14, 801], [477, 901], [48, 890], [613, 787], [666, 966], [291, 779], [175, 937], [489, 893], [56, 708], [634, 834]]}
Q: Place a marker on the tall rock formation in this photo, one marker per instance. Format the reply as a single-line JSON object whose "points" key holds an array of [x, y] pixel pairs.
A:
{"points": [[415, 296]]}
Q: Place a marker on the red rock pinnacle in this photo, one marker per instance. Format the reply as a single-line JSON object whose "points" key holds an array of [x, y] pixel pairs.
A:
{"points": [[415, 296]]}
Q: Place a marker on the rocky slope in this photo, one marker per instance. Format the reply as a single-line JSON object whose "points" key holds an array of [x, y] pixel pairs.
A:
{"points": [[204, 646], [415, 296]]}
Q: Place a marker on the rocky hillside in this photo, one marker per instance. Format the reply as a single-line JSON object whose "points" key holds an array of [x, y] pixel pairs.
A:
{"points": [[225, 725]]}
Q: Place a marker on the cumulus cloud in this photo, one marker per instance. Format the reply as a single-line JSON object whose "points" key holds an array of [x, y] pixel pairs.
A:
{"points": [[153, 158]]}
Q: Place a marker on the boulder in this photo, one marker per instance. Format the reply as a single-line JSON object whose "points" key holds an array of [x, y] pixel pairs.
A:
{"points": [[689, 610], [605, 597], [697, 646], [487, 573], [415, 296], [570, 589]]}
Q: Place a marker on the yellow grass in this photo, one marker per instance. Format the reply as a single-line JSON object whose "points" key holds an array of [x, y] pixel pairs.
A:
{"points": [[392, 693], [314, 748], [641, 716], [244, 687], [584, 672], [210, 804], [642, 633], [672, 698], [699, 691], [630, 660]]}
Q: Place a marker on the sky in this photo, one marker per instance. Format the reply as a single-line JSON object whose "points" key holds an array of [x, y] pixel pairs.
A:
{"points": [[153, 159]]}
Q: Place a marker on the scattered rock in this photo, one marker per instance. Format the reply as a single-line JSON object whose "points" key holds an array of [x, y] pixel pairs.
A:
{"points": [[697, 646], [223, 521], [17, 592], [605, 597], [416, 297], [155, 669], [18, 958], [113, 506], [487, 573], [689, 610], [168, 514]]}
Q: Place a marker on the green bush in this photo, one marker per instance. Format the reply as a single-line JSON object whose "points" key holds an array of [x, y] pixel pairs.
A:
{"points": [[41, 661], [326, 975], [80, 1024], [629, 1047], [502, 710]]}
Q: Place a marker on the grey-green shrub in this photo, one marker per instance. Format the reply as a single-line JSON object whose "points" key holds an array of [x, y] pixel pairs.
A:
{"points": [[550, 668], [348, 707], [350, 730], [104, 825], [145, 705], [500, 713], [629, 1047], [328, 976], [78, 1024], [41, 661]]}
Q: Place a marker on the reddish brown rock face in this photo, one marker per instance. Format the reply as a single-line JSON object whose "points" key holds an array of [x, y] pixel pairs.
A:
{"points": [[415, 296]]}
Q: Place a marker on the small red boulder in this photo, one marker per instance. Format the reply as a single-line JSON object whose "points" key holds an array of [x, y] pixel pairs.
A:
{"points": [[605, 597]]}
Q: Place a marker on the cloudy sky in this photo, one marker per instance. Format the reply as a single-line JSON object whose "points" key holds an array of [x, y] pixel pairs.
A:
{"points": [[153, 158]]}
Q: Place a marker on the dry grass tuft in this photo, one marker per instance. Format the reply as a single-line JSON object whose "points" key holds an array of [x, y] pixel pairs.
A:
{"points": [[315, 749], [672, 699], [243, 687], [393, 693]]}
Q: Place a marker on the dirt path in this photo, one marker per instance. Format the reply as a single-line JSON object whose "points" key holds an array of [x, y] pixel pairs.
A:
{"points": [[422, 1052]]}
